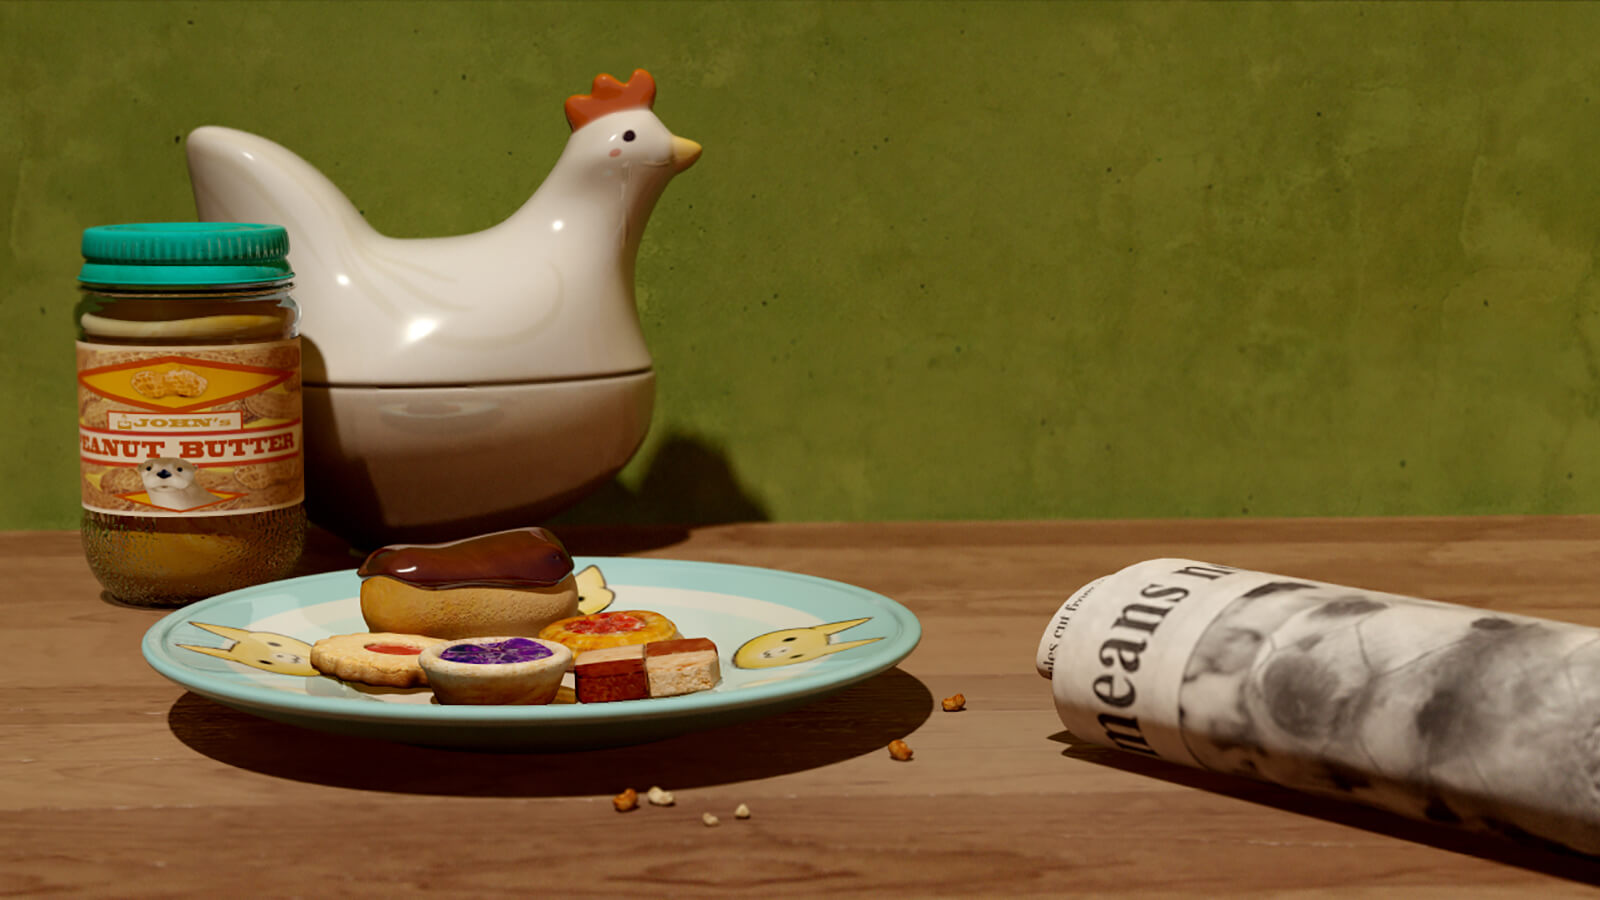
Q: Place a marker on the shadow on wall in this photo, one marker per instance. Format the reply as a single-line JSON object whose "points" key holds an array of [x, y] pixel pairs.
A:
{"points": [[687, 482]]}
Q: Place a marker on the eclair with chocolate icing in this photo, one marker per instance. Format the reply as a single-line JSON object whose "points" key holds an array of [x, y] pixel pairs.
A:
{"points": [[511, 583]]}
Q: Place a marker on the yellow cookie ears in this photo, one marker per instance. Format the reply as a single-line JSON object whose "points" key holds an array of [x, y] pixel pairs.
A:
{"points": [[796, 645], [275, 653]]}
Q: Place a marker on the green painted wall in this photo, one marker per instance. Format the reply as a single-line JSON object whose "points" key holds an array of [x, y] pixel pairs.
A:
{"points": [[939, 260]]}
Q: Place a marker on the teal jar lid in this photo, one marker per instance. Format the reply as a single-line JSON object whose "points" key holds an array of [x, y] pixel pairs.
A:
{"points": [[185, 254]]}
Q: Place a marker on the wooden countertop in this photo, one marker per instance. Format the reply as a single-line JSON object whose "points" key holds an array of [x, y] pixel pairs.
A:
{"points": [[116, 782]]}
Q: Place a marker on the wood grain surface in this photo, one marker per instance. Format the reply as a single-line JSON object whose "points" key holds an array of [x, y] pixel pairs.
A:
{"points": [[116, 782]]}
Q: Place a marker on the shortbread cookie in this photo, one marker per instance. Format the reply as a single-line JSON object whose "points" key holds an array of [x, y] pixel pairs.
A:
{"points": [[510, 582], [610, 629], [379, 658], [495, 670]]}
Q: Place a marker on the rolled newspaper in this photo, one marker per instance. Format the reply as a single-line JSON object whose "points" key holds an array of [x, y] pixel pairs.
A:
{"points": [[1444, 713]]}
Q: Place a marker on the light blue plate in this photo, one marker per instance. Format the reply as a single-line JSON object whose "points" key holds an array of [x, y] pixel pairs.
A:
{"points": [[784, 640]]}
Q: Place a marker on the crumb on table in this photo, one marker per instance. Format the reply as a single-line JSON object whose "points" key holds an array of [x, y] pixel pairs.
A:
{"points": [[628, 799]]}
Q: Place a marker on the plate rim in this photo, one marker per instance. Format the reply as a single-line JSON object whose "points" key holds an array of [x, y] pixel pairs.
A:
{"points": [[156, 649]]}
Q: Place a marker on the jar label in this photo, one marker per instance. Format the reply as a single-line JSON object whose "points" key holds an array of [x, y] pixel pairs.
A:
{"points": [[189, 431]]}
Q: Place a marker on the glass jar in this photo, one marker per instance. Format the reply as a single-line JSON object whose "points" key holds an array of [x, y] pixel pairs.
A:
{"points": [[189, 412]]}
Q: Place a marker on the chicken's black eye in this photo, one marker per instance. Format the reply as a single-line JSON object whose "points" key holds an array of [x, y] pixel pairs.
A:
{"points": [[628, 135]]}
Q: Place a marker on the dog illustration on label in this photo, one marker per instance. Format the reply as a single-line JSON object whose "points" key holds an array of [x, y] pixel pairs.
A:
{"points": [[796, 645], [262, 650], [170, 484]]}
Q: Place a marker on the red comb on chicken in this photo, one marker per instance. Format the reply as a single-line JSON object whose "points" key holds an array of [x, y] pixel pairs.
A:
{"points": [[610, 95]]}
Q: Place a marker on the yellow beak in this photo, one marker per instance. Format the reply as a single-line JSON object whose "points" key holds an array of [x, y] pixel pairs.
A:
{"points": [[684, 153]]}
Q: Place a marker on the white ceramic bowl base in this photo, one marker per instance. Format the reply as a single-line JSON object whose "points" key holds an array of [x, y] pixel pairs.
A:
{"points": [[422, 464]]}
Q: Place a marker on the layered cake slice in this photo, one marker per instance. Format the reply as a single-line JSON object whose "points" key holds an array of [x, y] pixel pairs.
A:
{"points": [[681, 666], [611, 673]]}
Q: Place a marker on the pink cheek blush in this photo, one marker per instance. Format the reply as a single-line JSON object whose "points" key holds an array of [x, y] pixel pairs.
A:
{"points": [[616, 152]]}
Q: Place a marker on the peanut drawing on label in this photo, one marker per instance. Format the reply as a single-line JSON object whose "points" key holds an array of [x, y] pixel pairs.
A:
{"points": [[156, 384]]}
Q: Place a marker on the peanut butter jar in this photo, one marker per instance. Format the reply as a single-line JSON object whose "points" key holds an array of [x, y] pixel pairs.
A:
{"points": [[189, 410]]}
